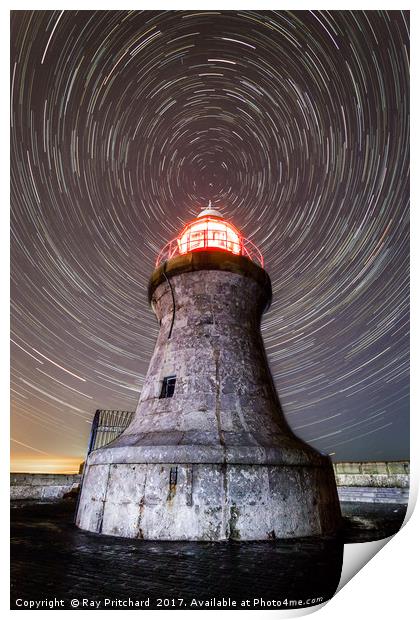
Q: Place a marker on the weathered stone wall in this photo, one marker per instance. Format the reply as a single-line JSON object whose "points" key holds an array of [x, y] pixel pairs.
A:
{"points": [[390, 469], [207, 501], [373, 481], [377, 495], [42, 486]]}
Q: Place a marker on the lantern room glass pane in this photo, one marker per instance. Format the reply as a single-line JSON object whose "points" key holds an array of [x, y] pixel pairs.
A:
{"points": [[209, 233]]}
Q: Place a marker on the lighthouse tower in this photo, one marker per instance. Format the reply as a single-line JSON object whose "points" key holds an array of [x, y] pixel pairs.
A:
{"points": [[209, 454]]}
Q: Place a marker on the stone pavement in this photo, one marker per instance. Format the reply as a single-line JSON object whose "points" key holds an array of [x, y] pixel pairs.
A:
{"points": [[51, 558]]}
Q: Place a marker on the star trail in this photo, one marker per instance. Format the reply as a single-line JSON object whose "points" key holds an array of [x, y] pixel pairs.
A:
{"points": [[124, 124]]}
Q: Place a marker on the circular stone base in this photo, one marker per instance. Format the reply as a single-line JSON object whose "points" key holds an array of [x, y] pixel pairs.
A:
{"points": [[209, 501]]}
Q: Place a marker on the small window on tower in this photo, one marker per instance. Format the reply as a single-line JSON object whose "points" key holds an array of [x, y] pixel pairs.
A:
{"points": [[168, 387]]}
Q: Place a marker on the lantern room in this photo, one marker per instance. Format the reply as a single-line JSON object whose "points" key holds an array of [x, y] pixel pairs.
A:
{"points": [[210, 231]]}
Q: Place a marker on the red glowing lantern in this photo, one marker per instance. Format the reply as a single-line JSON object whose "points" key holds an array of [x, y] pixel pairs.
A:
{"points": [[210, 231]]}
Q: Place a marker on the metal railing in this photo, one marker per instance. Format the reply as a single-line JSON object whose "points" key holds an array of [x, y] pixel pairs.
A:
{"points": [[244, 248], [107, 425]]}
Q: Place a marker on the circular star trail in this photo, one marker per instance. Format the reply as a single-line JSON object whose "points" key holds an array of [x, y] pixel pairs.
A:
{"points": [[295, 124]]}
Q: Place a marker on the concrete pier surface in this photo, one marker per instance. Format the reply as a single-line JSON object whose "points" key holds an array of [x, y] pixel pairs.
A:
{"points": [[51, 558]]}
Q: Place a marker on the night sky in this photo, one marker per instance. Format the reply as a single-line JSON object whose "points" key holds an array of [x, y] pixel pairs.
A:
{"points": [[295, 124]]}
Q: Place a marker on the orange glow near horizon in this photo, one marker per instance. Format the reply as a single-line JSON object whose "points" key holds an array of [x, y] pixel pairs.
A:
{"points": [[209, 232], [45, 465]]}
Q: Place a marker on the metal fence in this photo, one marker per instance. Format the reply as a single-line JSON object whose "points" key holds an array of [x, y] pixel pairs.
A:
{"points": [[107, 425]]}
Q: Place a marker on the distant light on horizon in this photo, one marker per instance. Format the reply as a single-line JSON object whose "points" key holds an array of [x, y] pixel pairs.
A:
{"points": [[65, 465]]}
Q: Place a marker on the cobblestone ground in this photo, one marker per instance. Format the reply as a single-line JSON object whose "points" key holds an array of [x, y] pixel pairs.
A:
{"points": [[52, 559]]}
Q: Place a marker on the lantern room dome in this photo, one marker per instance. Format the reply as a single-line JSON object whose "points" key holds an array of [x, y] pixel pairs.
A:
{"points": [[209, 211], [210, 231]]}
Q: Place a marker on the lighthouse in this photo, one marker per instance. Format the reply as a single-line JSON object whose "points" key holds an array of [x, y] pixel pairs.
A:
{"points": [[208, 454]]}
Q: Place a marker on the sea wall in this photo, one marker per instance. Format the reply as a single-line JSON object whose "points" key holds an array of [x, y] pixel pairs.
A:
{"points": [[369, 481], [42, 486], [373, 481]]}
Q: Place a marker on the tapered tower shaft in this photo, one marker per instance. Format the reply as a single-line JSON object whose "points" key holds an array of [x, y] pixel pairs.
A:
{"points": [[209, 454]]}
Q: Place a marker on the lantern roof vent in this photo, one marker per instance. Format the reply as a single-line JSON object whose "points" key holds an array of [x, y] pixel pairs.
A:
{"points": [[209, 211]]}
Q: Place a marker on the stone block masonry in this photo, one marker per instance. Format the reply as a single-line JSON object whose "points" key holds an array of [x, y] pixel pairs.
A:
{"points": [[207, 502], [42, 486], [373, 481], [373, 495]]}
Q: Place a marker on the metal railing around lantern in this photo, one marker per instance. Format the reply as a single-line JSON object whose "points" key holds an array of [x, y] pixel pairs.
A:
{"points": [[206, 241]]}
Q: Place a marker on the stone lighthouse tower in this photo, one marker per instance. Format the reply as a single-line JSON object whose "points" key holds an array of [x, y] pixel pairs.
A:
{"points": [[208, 454]]}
